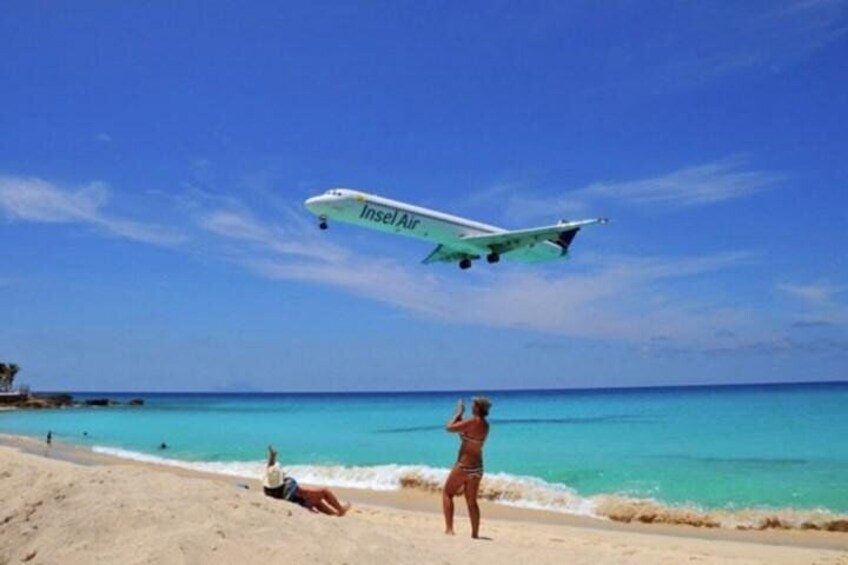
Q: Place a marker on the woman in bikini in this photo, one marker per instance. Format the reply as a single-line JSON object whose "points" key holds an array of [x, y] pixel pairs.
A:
{"points": [[468, 471]]}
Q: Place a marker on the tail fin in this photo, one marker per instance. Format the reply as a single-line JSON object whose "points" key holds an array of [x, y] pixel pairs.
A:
{"points": [[565, 238]]}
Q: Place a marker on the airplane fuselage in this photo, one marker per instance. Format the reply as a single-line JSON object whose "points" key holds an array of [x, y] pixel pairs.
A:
{"points": [[387, 215]]}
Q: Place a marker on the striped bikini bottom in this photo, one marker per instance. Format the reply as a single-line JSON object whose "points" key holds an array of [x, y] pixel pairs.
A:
{"points": [[472, 470]]}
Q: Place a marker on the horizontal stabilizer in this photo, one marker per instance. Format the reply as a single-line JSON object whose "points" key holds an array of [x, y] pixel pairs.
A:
{"points": [[561, 234]]}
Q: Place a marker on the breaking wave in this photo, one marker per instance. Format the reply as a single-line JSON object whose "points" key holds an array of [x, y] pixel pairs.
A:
{"points": [[521, 492]]}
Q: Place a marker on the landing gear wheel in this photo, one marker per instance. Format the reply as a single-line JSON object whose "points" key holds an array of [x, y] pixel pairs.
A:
{"points": [[493, 257], [465, 264], [323, 224]]}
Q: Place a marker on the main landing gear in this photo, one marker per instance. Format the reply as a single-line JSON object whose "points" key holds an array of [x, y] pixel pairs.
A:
{"points": [[323, 223], [465, 263]]}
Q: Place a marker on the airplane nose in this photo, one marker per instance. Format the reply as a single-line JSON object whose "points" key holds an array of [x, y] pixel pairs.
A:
{"points": [[315, 203]]}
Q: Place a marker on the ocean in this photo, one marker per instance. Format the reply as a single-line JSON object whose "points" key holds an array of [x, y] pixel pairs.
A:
{"points": [[733, 456]]}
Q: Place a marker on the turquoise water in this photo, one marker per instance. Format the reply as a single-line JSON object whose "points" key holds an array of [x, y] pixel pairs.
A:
{"points": [[776, 447]]}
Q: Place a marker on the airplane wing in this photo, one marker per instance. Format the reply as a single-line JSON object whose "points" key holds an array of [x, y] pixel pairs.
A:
{"points": [[562, 234], [473, 247], [443, 253]]}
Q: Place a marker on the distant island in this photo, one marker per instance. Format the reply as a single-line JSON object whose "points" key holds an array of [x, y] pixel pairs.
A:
{"points": [[22, 397], [29, 400]]}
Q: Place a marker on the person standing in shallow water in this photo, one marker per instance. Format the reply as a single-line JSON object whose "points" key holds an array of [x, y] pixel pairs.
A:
{"points": [[468, 471]]}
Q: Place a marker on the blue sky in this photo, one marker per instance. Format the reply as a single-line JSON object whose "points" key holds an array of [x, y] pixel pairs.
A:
{"points": [[154, 160]]}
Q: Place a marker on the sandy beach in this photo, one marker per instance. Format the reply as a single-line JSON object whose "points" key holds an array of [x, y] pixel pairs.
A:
{"points": [[67, 505]]}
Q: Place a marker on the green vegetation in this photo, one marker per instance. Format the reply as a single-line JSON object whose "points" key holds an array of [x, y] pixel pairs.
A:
{"points": [[7, 376]]}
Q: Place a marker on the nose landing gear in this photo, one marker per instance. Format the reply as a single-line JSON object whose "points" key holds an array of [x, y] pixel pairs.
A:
{"points": [[323, 223]]}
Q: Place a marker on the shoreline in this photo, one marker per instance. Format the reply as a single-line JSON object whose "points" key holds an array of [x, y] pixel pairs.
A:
{"points": [[420, 503], [498, 491], [56, 511]]}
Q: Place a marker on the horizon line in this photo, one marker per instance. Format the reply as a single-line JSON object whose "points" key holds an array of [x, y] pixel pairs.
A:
{"points": [[465, 391]]}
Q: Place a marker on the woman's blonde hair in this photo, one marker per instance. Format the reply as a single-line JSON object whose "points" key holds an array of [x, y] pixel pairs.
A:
{"points": [[483, 404]]}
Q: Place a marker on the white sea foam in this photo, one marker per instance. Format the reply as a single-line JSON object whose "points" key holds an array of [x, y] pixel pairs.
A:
{"points": [[518, 491], [377, 477], [503, 488]]}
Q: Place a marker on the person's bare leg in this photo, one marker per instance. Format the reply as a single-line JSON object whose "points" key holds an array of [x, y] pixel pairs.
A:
{"points": [[452, 484], [315, 499], [324, 508], [323, 500], [329, 497], [472, 486], [447, 508]]}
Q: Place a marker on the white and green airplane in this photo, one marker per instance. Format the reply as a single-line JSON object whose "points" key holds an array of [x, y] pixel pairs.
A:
{"points": [[458, 239]]}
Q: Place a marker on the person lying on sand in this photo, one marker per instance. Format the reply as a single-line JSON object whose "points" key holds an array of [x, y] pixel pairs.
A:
{"points": [[277, 484]]}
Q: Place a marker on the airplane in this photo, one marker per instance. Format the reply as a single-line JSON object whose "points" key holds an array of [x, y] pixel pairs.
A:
{"points": [[458, 239]]}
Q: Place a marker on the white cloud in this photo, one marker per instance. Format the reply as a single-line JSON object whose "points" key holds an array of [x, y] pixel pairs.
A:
{"points": [[289, 240], [708, 44], [36, 200], [619, 298], [698, 185], [629, 298], [691, 186], [812, 23], [616, 296], [817, 294], [378, 279], [819, 303], [743, 38]]}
